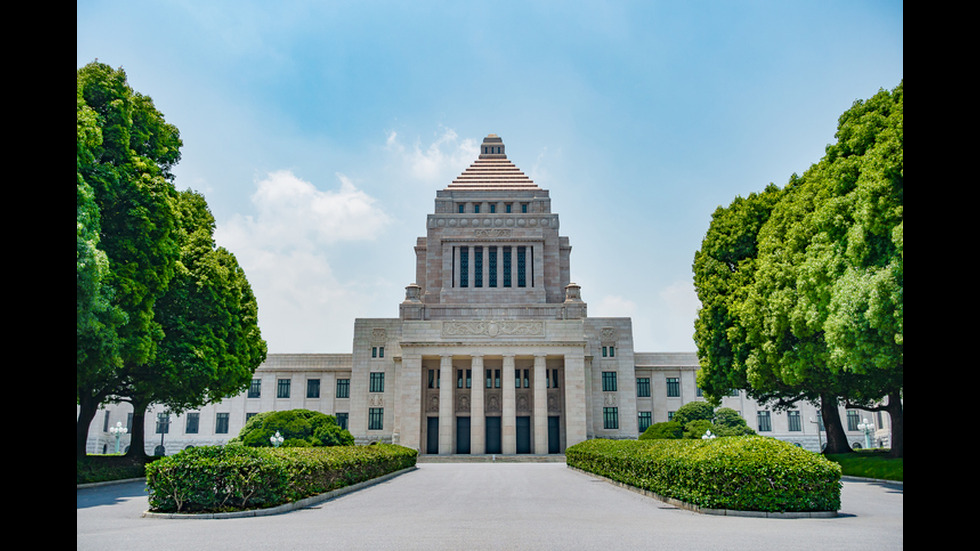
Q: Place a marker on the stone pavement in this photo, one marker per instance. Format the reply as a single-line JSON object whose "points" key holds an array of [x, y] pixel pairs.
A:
{"points": [[496, 505]]}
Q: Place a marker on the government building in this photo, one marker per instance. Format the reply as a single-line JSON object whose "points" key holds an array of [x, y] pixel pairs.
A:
{"points": [[492, 352]]}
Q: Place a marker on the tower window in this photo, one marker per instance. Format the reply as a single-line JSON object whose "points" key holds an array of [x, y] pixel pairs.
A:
{"points": [[522, 266], [492, 268], [478, 266], [464, 266]]}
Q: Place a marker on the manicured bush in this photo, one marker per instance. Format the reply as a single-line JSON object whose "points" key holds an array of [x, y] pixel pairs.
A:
{"points": [[298, 427], [745, 473], [668, 429], [236, 477]]}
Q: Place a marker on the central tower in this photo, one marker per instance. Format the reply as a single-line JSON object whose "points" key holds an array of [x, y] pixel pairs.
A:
{"points": [[492, 248]]}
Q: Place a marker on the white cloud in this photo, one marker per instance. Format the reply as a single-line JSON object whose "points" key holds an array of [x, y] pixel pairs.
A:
{"points": [[284, 249], [440, 161]]}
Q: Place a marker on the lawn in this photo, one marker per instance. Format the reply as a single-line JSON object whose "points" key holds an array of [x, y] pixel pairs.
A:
{"points": [[870, 464]]}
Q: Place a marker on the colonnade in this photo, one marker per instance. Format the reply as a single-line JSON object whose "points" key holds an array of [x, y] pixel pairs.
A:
{"points": [[571, 391]]}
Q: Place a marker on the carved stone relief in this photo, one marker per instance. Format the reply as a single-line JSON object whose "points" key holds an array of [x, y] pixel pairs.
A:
{"points": [[492, 328]]}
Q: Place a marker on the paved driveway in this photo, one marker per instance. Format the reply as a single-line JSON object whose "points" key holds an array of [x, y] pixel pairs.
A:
{"points": [[461, 506]]}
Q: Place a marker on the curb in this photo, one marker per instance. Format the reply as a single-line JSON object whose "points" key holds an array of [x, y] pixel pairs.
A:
{"points": [[286, 507], [705, 511]]}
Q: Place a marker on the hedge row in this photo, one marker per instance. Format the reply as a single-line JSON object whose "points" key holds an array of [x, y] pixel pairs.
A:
{"points": [[230, 478], [743, 473]]}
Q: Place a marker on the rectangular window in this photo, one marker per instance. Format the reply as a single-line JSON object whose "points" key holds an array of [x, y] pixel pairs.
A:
{"points": [[609, 381], [432, 378], [343, 388], [105, 422], [461, 208], [282, 388], [313, 388], [376, 418], [464, 266], [517, 378], [522, 266], [377, 352], [612, 351], [643, 387], [459, 378], [377, 382], [192, 422], [524, 207], [342, 420], [734, 393], [478, 266], [493, 208], [163, 423], [249, 416], [469, 378], [673, 387], [644, 420], [496, 378], [764, 420], [605, 351], [527, 379], [492, 266], [476, 208], [853, 420], [610, 418], [374, 351], [554, 377], [508, 208], [507, 281], [794, 421], [221, 423], [255, 389]]}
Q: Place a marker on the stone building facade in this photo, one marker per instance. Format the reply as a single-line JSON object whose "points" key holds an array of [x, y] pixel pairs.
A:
{"points": [[493, 351]]}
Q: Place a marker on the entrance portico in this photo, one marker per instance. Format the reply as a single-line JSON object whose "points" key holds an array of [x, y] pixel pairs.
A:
{"points": [[505, 399]]}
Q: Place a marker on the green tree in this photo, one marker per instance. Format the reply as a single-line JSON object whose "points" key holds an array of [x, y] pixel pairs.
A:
{"points": [[854, 265], [125, 223], [298, 427], [212, 343], [807, 305]]}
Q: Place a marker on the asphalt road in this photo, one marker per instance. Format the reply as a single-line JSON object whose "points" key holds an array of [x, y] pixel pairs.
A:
{"points": [[463, 506]]}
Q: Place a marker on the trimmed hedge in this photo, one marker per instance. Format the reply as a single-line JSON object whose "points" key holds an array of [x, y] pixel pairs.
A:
{"points": [[743, 473], [232, 478]]}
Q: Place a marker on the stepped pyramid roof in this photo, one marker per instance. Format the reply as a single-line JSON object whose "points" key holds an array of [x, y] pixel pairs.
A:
{"points": [[492, 171]]}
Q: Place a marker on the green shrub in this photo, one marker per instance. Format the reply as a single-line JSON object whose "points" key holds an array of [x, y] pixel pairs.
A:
{"points": [[694, 411], [236, 477], [298, 427], [745, 473], [669, 429]]}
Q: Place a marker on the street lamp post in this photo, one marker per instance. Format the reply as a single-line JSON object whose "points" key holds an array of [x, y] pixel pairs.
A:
{"points": [[866, 427], [117, 431], [276, 439]]}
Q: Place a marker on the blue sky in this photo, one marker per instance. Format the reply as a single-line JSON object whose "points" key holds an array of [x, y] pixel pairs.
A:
{"points": [[319, 132]]}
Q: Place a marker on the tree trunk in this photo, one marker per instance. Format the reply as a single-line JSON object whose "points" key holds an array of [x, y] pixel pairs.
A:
{"points": [[897, 413], [836, 437], [87, 408], [137, 446]]}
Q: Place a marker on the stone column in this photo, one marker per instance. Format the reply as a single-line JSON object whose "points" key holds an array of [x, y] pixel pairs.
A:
{"points": [[575, 398], [540, 405], [508, 410], [446, 384], [477, 412], [409, 425]]}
